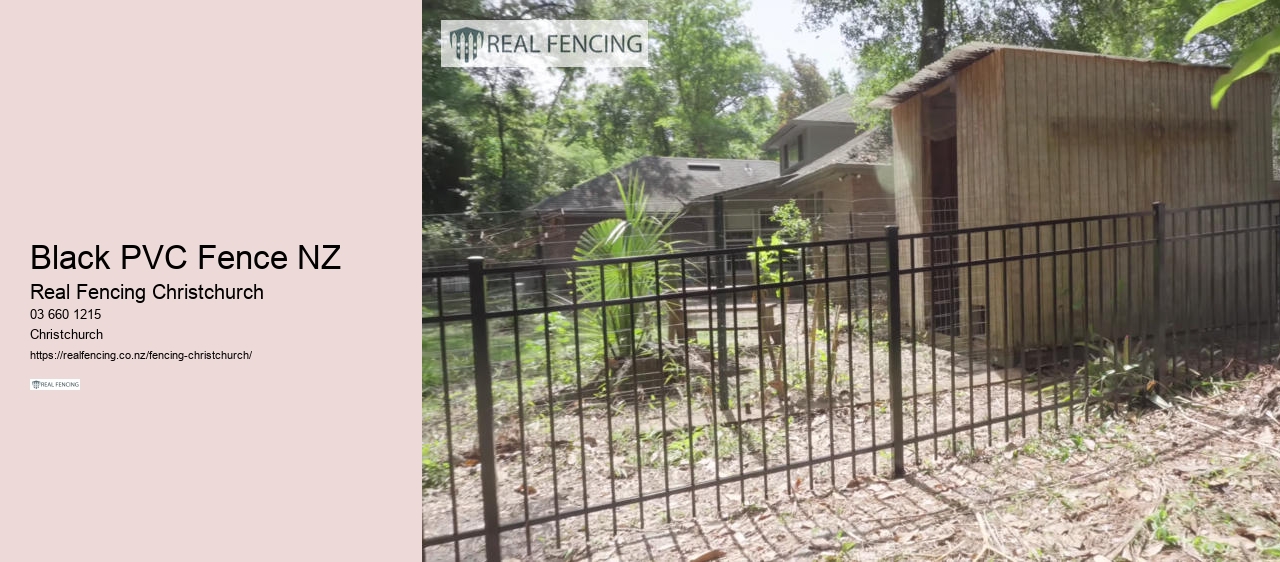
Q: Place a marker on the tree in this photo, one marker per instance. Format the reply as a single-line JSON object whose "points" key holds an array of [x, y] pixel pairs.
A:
{"points": [[933, 31], [449, 104], [836, 80], [491, 145], [483, 145], [1252, 59], [710, 64], [891, 39], [804, 88]]}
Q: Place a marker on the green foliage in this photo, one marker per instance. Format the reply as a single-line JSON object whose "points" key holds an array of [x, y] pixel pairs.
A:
{"points": [[636, 234], [883, 35], [1158, 524], [449, 104], [490, 144], [768, 262], [803, 89], [1220, 12], [480, 144], [1254, 57], [1208, 547], [435, 472], [444, 242], [1251, 60], [680, 446], [1115, 374], [793, 226], [835, 79], [571, 349], [1270, 550], [708, 62]]}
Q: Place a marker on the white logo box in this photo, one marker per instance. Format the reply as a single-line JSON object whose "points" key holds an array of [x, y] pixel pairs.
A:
{"points": [[544, 43], [54, 384]]}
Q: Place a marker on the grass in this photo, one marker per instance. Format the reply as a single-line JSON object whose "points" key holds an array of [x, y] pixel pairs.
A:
{"points": [[435, 472], [456, 353]]}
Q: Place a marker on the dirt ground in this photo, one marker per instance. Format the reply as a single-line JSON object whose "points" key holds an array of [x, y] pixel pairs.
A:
{"points": [[546, 479], [1197, 481]]}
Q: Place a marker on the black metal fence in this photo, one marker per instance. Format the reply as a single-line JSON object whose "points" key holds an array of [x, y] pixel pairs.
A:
{"points": [[562, 400]]}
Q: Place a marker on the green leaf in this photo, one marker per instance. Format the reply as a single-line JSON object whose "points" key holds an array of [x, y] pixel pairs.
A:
{"points": [[1220, 12], [1251, 60]]}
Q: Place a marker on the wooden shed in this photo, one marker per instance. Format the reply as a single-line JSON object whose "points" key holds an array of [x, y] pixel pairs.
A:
{"points": [[994, 135]]}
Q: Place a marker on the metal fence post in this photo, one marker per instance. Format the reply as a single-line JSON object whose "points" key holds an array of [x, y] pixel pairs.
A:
{"points": [[1157, 226], [722, 331], [895, 352], [484, 408]]}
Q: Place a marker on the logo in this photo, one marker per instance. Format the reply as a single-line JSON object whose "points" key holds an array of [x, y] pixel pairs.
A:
{"points": [[544, 43], [466, 42], [55, 384]]}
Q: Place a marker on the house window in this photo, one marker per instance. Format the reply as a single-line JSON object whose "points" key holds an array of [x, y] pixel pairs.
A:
{"points": [[792, 155], [811, 205], [786, 150], [766, 226], [738, 261], [800, 148]]}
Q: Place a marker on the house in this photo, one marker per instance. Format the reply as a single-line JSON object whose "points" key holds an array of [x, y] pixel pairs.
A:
{"points": [[996, 134], [831, 170], [670, 183]]}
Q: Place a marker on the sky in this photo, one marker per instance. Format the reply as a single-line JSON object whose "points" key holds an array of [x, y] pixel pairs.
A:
{"points": [[776, 26]]}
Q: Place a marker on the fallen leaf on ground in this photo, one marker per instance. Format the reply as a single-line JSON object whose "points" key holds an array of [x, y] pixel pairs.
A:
{"points": [[1252, 533], [712, 555], [1152, 549]]}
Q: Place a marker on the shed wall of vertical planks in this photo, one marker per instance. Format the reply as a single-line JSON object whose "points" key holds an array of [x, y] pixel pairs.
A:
{"points": [[1046, 135]]}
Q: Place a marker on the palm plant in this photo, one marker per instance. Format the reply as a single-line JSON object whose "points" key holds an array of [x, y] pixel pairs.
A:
{"points": [[637, 234]]}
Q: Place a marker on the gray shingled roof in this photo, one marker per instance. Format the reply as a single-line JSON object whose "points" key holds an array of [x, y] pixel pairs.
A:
{"points": [[871, 148], [835, 111], [960, 57], [874, 147], [670, 183]]}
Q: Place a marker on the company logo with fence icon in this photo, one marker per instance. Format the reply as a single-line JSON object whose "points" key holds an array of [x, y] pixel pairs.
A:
{"points": [[35, 385], [465, 42]]}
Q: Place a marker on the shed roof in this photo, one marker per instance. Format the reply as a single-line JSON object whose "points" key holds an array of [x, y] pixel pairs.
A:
{"points": [[670, 183], [960, 57]]}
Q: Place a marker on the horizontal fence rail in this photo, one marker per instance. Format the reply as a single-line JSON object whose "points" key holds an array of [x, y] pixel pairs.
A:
{"points": [[570, 398]]}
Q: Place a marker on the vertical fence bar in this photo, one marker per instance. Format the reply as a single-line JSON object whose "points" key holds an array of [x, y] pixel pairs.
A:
{"points": [[1157, 227], [722, 334], [895, 353], [484, 409]]}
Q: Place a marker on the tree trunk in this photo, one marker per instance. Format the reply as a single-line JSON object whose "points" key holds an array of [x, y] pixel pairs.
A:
{"points": [[933, 30], [502, 131]]}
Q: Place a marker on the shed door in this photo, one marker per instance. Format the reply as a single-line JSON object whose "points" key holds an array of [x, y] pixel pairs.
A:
{"points": [[944, 217]]}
